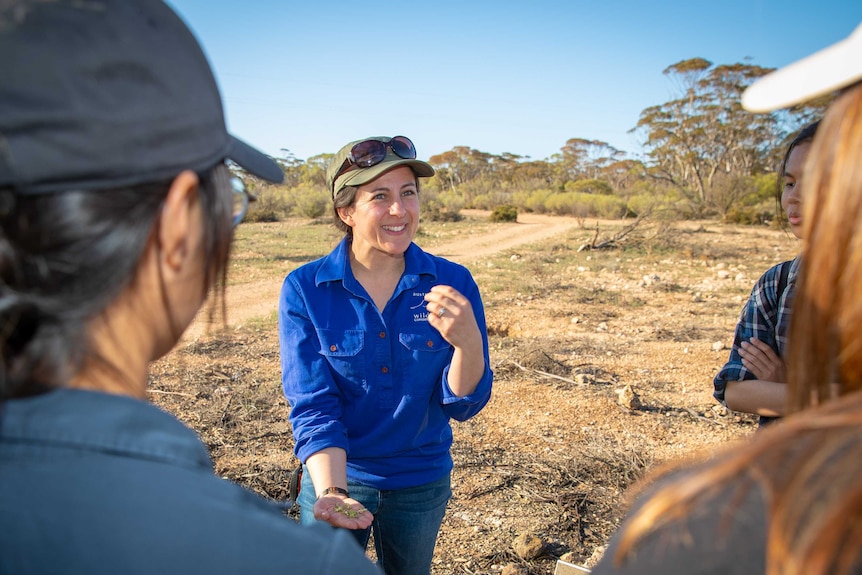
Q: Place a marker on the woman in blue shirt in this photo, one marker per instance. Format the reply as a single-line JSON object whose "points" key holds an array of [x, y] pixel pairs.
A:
{"points": [[381, 345]]}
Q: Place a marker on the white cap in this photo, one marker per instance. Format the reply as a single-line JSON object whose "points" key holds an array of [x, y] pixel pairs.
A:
{"points": [[830, 69]]}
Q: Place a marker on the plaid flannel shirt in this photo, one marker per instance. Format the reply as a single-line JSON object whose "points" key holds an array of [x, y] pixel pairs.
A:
{"points": [[766, 316]]}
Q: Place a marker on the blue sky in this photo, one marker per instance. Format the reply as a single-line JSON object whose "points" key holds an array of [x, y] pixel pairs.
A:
{"points": [[498, 75]]}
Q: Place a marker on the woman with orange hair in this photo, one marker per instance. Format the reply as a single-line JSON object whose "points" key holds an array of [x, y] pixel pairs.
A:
{"points": [[789, 501]]}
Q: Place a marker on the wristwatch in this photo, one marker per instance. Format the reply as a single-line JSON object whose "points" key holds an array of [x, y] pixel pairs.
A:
{"points": [[329, 490]]}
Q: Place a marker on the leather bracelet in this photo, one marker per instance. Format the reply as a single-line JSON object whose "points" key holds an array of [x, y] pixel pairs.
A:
{"points": [[329, 490]]}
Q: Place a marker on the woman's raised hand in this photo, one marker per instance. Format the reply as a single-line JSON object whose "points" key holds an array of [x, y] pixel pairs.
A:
{"points": [[452, 315]]}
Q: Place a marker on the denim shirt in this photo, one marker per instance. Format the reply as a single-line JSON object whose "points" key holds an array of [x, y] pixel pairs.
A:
{"points": [[106, 484], [374, 383]]}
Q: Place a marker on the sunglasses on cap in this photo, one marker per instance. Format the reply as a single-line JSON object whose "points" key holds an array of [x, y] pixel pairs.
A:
{"points": [[371, 152]]}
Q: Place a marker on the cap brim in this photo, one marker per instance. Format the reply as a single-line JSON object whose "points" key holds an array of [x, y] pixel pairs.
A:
{"points": [[823, 72], [365, 175], [255, 162]]}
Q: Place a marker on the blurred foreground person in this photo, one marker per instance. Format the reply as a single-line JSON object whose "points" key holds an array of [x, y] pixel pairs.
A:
{"points": [[790, 501], [116, 219]]}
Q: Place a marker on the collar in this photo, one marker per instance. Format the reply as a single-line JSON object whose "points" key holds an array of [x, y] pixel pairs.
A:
{"points": [[336, 265], [102, 422]]}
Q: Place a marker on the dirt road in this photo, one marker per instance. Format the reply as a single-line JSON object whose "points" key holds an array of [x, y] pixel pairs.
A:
{"points": [[259, 299]]}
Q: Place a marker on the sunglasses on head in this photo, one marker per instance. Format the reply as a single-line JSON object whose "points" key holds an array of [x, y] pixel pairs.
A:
{"points": [[371, 152]]}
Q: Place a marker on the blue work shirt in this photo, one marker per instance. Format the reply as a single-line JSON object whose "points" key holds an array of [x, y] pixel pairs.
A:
{"points": [[106, 484], [374, 383]]}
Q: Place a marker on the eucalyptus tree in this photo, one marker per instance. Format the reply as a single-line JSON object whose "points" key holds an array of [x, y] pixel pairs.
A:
{"points": [[581, 158], [704, 133]]}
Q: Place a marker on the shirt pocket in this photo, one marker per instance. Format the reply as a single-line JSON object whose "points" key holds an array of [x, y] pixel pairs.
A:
{"points": [[343, 350], [425, 357]]}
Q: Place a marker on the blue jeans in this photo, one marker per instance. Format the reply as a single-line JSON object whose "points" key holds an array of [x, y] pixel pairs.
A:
{"points": [[406, 522]]}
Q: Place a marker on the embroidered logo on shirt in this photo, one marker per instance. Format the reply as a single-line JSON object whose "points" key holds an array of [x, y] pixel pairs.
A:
{"points": [[420, 310]]}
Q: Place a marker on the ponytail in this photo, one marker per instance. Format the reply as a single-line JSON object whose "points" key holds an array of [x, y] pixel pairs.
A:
{"points": [[65, 257]]}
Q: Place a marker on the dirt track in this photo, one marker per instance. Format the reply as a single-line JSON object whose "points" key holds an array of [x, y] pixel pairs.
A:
{"points": [[260, 298]]}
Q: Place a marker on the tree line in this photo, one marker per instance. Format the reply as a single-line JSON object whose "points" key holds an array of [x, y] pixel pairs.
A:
{"points": [[702, 156]]}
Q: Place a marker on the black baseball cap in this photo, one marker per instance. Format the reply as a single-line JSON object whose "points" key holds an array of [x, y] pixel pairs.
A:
{"points": [[98, 94]]}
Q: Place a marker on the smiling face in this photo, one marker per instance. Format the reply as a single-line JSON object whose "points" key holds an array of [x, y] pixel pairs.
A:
{"points": [[791, 199], [384, 216]]}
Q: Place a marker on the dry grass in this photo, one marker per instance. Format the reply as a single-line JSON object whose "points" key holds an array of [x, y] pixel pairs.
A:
{"points": [[553, 453]]}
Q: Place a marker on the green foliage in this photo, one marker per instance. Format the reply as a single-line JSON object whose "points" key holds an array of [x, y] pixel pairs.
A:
{"points": [[757, 205], [270, 206], [483, 193], [311, 172], [504, 213], [643, 203], [748, 215], [583, 205], [533, 200], [441, 207], [310, 201], [589, 186], [765, 187], [661, 203]]}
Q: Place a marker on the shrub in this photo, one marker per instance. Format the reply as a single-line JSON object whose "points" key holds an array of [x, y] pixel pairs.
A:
{"points": [[504, 213], [271, 205], [310, 202], [748, 215], [589, 186], [535, 200], [583, 205]]}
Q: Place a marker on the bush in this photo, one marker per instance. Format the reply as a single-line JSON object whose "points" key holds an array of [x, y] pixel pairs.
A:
{"points": [[748, 215], [311, 202], [533, 200], [436, 210], [505, 213], [270, 206], [583, 205], [589, 186]]}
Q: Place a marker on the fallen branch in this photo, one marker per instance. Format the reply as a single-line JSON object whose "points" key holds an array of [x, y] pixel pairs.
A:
{"points": [[696, 415], [544, 373], [170, 393], [612, 242]]}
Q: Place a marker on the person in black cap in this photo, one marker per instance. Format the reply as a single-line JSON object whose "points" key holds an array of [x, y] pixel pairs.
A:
{"points": [[116, 218], [382, 344]]}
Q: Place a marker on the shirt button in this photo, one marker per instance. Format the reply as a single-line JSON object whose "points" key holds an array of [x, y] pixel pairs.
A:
{"points": [[382, 335], [384, 369], [333, 348], [430, 343]]}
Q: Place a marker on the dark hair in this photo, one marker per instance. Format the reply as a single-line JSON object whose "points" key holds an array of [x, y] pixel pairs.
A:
{"points": [[345, 197], [65, 257], [806, 134]]}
